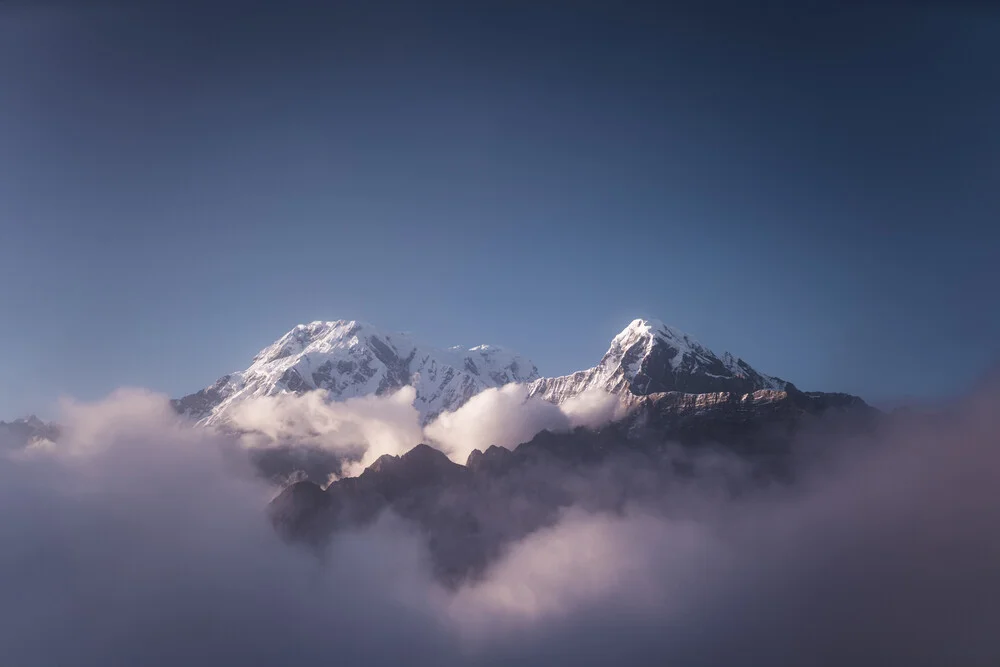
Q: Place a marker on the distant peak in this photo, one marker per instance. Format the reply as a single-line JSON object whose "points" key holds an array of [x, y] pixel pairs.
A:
{"points": [[489, 349], [303, 336], [330, 325], [424, 452], [644, 324], [643, 327], [30, 420]]}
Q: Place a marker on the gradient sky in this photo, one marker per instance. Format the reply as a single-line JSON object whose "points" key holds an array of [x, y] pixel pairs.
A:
{"points": [[815, 189]]}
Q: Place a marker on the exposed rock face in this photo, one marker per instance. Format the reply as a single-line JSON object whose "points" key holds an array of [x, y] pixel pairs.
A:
{"points": [[494, 459], [349, 359], [394, 476], [204, 401], [762, 426], [302, 511]]}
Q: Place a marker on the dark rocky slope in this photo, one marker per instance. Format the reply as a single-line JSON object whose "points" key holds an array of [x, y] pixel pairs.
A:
{"points": [[469, 514]]}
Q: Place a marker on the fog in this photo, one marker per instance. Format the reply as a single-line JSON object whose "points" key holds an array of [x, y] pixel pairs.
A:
{"points": [[140, 539]]}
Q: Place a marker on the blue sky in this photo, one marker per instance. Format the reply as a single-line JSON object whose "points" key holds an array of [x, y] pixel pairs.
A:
{"points": [[815, 190]]}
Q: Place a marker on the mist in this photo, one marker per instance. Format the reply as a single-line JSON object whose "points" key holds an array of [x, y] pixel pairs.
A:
{"points": [[141, 539]]}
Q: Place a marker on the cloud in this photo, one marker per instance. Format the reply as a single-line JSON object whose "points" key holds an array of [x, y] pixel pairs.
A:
{"points": [[312, 434], [592, 408], [507, 416], [357, 431], [141, 540], [884, 555], [584, 560]]}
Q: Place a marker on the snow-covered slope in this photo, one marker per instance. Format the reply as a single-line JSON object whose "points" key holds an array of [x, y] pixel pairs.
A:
{"points": [[349, 358], [649, 357]]}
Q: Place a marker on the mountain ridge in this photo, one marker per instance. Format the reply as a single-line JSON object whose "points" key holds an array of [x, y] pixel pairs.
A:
{"points": [[348, 358], [469, 513], [649, 357], [24, 431]]}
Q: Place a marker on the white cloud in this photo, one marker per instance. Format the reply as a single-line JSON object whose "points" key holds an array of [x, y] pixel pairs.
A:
{"points": [[506, 417], [359, 429], [141, 541], [593, 408]]}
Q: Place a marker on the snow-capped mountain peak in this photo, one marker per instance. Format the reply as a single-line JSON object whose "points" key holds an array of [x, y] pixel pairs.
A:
{"points": [[348, 358], [650, 357], [645, 335]]}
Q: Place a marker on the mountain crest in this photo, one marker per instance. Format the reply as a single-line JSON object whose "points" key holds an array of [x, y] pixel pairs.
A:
{"points": [[649, 357], [23, 431], [348, 358]]}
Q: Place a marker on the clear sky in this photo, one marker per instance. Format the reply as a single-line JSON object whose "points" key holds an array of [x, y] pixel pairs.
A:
{"points": [[814, 189]]}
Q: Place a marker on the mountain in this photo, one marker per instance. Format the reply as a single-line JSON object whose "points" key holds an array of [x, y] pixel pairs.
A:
{"points": [[469, 515], [25, 431], [649, 357], [687, 408], [350, 358]]}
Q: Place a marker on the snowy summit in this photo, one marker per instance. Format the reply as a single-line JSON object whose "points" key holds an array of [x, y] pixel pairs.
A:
{"points": [[649, 357], [347, 358], [351, 358]]}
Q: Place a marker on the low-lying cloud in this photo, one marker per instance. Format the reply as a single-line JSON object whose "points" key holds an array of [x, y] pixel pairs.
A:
{"points": [[357, 430], [344, 437], [507, 416], [142, 540]]}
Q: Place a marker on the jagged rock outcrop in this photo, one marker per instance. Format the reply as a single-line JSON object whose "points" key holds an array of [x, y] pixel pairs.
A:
{"points": [[470, 513]]}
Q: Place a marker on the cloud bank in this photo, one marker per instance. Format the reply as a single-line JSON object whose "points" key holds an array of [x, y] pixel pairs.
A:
{"points": [[344, 437], [141, 540], [507, 416], [357, 431]]}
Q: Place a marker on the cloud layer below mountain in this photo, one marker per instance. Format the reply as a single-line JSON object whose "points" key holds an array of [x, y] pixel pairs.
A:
{"points": [[507, 416], [142, 540], [359, 430]]}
